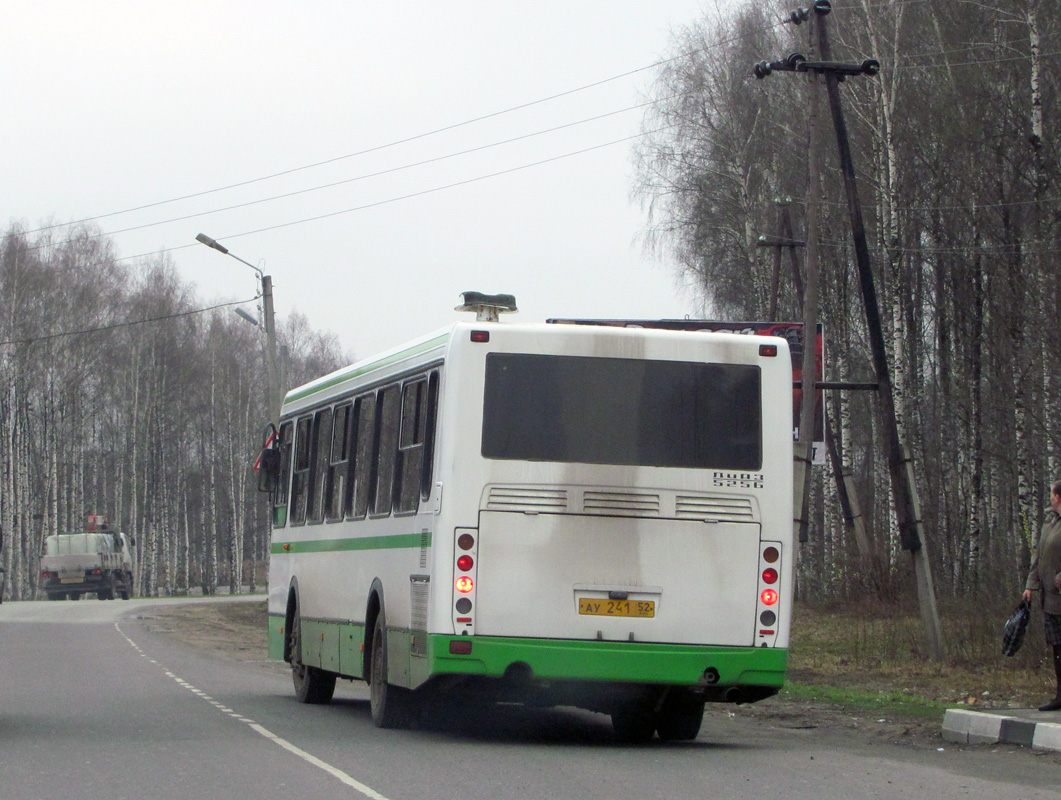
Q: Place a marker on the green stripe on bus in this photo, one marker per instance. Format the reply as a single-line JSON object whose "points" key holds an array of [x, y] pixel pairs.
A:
{"points": [[374, 365], [337, 646], [625, 662], [397, 541]]}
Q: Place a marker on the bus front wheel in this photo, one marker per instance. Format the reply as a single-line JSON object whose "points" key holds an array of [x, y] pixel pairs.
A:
{"points": [[392, 706], [312, 685]]}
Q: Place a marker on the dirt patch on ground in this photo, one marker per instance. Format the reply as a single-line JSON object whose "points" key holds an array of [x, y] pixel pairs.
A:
{"points": [[233, 630]]}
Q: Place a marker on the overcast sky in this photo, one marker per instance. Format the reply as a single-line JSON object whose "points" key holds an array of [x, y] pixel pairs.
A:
{"points": [[111, 106]]}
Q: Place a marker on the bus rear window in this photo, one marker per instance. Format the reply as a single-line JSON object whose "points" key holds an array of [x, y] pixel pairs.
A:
{"points": [[622, 411]]}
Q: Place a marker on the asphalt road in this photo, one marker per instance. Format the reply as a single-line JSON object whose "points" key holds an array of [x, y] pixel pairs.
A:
{"points": [[96, 703]]}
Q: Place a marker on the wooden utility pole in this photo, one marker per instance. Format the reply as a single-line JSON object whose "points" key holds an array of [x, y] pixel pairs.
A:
{"points": [[904, 492], [784, 241], [805, 442]]}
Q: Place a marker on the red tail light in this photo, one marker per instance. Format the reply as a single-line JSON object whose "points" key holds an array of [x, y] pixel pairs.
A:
{"points": [[464, 563], [464, 584], [769, 575], [769, 597]]}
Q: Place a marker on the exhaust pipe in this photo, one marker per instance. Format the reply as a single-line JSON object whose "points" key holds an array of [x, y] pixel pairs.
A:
{"points": [[734, 694]]}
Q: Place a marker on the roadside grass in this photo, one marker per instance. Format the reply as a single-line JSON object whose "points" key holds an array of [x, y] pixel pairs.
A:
{"points": [[872, 657]]}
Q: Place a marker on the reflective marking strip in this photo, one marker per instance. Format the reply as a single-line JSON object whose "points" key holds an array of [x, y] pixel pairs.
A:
{"points": [[335, 772], [394, 541]]}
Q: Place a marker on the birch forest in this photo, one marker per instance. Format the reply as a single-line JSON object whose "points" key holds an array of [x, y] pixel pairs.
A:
{"points": [[956, 149], [124, 394]]}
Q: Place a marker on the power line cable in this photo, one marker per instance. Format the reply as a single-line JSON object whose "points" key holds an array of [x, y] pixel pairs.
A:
{"points": [[366, 151], [356, 178], [406, 196], [116, 325], [408, 139]]}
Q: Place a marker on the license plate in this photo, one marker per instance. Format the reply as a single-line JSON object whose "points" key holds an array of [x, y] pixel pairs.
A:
{"points": [[70, 580], [603, 607]]}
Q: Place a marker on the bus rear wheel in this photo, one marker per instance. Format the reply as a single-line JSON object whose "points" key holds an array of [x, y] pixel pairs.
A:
{"points": [[633, 724], [392, 706], [680, 719], [312, 685]]}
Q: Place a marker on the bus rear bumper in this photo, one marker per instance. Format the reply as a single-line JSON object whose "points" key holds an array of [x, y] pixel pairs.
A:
{"points": [[753, 672]]}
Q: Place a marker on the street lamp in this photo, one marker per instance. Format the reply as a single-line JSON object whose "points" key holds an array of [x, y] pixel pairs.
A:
{"points": [[272, 372]]}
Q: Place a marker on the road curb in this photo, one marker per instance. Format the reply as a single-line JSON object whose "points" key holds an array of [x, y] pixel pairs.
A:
{"points": [[1023, 726]]}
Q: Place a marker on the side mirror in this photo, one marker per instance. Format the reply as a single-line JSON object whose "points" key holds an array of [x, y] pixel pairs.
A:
{"points": [[269, 470]]}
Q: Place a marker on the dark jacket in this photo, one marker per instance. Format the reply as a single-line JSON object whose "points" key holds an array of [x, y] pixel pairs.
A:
{"points": [[1046, 564]]}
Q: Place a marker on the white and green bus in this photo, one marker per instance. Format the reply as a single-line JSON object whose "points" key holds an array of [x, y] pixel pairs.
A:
{"points": [[557, 514]]}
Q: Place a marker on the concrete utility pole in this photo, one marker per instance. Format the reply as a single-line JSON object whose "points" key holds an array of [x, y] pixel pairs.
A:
{"points": [[904, 492], [272, 370]]}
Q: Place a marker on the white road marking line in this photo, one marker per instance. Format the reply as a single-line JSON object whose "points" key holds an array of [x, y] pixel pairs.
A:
{"points": [[338, 773], [335, 772]]}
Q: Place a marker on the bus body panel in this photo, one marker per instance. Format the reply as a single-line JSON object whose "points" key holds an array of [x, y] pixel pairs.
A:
{"points": [[702, 573], [700, 577]]}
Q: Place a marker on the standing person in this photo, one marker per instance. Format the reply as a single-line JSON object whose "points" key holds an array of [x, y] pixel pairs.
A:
{"points": [[1045, 577]]}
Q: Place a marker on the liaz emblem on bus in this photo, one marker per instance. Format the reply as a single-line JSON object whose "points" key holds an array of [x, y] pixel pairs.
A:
{"points": [[739, 480], [602, 607]]}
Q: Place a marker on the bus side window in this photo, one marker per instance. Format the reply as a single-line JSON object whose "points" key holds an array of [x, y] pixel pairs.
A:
{"points": [[322, 439], [280, 495], [363, 436], [429, 435], [335, 487], [387, 424], [300, 477], [411, 446]]}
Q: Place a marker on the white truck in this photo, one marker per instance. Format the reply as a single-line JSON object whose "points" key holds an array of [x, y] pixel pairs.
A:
{"points": [[94, 561]]}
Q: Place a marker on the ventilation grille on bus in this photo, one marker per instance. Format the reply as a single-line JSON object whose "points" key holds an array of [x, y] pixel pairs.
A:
{"points": [[615, 502], [728, 509], [621, 504], [527, 499], [419, 586]]}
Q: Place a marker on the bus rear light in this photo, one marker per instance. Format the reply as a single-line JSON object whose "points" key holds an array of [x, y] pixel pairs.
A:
{"points": [[481, 337], [464, 563], [769, 575], [768, 350], [770, 555], [460, 647], [767, 618], [465, 584], [466, 620], [465, 541], [766, 633], [769, 597]]}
